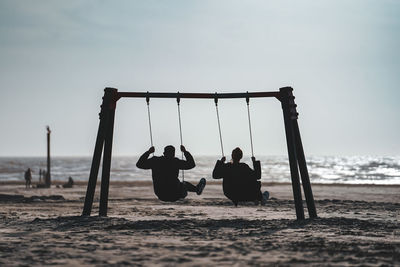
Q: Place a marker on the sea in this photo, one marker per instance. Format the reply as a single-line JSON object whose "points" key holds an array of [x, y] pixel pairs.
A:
{"points": [[322, 169]]}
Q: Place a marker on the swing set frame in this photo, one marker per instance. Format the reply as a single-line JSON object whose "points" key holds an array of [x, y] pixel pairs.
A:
{"points": [[105, 132]]}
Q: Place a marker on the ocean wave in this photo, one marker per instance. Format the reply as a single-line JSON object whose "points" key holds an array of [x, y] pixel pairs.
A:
{"points": [[322, 169]]}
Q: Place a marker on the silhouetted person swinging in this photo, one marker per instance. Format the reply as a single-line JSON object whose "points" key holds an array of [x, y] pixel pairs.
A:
{"points": [[165, 171], [240, 182]]}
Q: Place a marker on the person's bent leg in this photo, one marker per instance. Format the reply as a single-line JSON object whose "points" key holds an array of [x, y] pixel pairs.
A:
{"points": [[189, 187], [192, 188]]}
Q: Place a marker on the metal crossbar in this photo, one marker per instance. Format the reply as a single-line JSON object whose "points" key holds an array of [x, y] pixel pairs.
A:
{"points": [[198, 95]]}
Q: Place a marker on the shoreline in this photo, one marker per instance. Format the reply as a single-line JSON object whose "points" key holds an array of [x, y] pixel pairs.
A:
{"points": [[209, 182], [121, 189]]}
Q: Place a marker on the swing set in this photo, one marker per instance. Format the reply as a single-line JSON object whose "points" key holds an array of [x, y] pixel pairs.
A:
{"points": [[106, 128]]}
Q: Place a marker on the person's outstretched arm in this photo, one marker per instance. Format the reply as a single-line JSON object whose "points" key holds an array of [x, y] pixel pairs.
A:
{"points": [[144, 162], [257, 168], [188, 163], [218, 172]]}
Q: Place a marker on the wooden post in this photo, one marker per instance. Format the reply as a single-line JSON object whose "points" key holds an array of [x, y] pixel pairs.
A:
{"points": [[101, 133], [48, 173], [105, 175], [286, 97], [305, 179]]}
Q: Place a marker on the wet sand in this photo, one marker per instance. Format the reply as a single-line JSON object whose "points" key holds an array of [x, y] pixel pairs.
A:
{"points": [[357, 226]]}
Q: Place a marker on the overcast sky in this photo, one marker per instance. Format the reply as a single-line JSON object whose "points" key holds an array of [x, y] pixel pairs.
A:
{"points": [[341, 57]]}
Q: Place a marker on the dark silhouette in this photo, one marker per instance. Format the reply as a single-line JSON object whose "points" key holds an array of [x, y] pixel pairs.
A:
{"points": [[42, 182], [165, 171], [240, 182], [68, 184], [40, 175], [28, 178], [47, 178]]}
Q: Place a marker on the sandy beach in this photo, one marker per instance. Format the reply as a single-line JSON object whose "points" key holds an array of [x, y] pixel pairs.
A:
{"points": [[358, 225]]}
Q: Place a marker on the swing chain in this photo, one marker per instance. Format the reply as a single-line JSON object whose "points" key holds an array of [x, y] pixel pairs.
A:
{"points": [[248, 116], [148, 113], [178, 100], [219, 125]]}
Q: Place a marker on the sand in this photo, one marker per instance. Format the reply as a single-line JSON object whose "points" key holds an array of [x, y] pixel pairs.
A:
{"points": [[357, 226]]}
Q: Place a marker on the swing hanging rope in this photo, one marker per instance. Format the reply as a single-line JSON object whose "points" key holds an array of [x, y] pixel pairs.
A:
{"points": [[218, 120], [178, 100], [248, 116], [219, 125], [148, 113]]}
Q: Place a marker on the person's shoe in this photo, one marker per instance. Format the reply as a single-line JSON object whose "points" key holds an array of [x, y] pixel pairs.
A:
{"points": [[265, 196], [200, 186]]}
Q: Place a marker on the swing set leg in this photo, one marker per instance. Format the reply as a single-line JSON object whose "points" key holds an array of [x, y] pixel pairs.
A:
{"points": [[305, 179], [296, 155], [94, 170], [104, 138], [105, 175], [298, 202]]}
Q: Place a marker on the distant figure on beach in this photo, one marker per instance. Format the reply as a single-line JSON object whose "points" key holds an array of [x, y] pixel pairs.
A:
{"points": [[42, 181], [68, 184], [28, 178], [165, 171], [240, 182], [40, 175]]}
